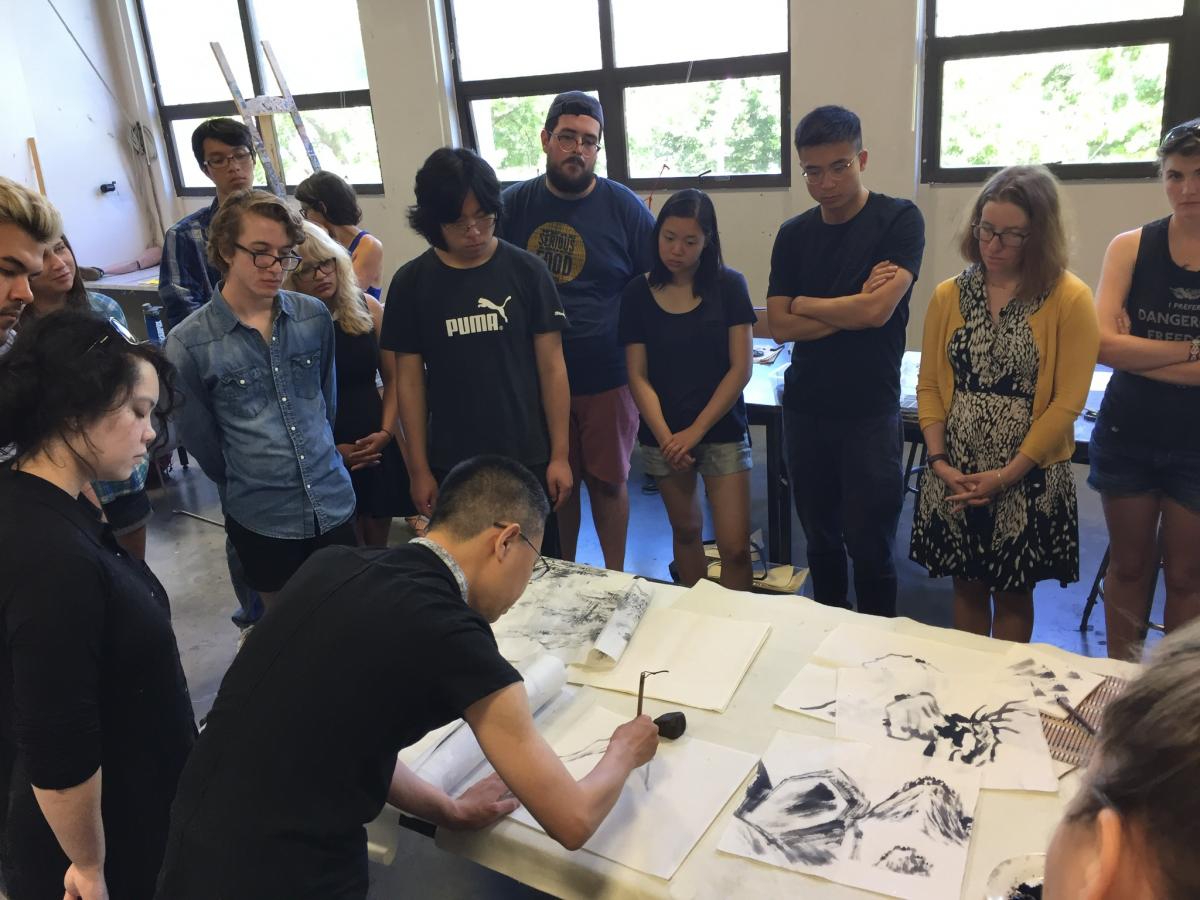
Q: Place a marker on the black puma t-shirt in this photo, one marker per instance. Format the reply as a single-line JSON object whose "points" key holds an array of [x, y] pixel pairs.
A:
{"points": [[474, 328]]}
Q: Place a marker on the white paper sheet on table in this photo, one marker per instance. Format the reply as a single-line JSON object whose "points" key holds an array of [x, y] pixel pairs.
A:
{"points": [[985, 724], [1051, 678], [849, 813], [580, 614], [448, 763], [707, 658], [651, 829], [813, 692]]}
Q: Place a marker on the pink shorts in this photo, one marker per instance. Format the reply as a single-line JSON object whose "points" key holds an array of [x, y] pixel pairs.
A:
{"points": [[604, 429]]}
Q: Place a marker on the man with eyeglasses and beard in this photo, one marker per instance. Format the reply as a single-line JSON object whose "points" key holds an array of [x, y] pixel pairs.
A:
{"points": [[841, 276], [595, 236]]}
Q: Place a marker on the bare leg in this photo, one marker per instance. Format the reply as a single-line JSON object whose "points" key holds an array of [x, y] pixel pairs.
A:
{"points": [[729, 497], [610, 514], [678, 491], [1013, 620], [972, 606], [568, 525], [372, 531], [1181, 564], [134, 542], [1133, 554]]}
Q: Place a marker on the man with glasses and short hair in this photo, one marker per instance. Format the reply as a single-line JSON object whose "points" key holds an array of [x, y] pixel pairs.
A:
{"points": [[256, 367], [476, 328], [841, 277], [595, 236]]}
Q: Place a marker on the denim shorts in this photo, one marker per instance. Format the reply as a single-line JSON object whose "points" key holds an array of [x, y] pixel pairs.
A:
{"points": [[1123, 469], [711, 459]]}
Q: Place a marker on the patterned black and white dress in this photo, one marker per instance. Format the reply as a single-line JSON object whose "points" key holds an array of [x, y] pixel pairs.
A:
{"points": [[1030, 531]]}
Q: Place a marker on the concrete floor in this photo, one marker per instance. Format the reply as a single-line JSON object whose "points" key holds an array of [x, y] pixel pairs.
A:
{"points": [[188, 556]]}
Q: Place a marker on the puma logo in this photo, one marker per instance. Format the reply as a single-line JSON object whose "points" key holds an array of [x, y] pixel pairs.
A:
{"points": [[485, 303], [559, 312]]}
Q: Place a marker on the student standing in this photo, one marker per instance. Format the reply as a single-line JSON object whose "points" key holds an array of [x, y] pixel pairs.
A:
{"points": [[475, 325], [257, 371], [1006, 363], [1145, 450], [328, 201], [686, 325], [594, 235], [841, 277]]}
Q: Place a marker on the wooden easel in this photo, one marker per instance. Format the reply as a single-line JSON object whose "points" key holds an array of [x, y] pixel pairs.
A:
{"points": [[254, 110]]}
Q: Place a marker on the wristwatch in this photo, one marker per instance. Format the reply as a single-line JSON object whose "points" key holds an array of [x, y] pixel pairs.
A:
{"points": [[1194, 352]]}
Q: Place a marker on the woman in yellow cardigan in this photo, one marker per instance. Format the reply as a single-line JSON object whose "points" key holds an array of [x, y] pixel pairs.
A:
{"points": [[1006, 363]]}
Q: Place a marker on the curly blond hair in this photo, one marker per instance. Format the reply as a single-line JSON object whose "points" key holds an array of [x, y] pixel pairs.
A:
{"points": [[347, 306]]}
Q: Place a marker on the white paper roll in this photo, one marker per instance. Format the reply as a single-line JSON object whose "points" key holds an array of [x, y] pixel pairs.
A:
{"points": [[460, 754]]}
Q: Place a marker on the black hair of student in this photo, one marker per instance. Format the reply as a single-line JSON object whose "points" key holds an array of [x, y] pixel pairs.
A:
{"points": [[691, 203], [829, 125], [443, 182], [64, 373], [484, 490], [226, 130], [77, 297], [332, 196]]}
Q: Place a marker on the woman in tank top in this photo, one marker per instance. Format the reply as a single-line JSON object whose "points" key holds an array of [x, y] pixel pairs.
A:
{"points": [[1145, 451], [329, 202]]}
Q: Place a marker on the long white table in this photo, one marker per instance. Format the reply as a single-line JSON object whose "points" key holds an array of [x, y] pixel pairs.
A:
{"points": [[1007, 823]]}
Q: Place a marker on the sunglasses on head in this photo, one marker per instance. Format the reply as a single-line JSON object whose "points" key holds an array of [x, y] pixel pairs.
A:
{"points": [[118, 326]]}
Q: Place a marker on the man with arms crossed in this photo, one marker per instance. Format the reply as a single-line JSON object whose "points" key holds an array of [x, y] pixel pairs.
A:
{"points": [[366, 650], [594, 235], [841, 277]]}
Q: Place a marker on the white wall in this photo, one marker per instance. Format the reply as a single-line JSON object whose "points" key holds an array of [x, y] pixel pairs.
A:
{"points": [[51, 94], [860, 53]]}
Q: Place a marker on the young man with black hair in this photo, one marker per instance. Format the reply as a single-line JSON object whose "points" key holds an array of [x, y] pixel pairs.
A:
{"points": [[256, 368], [595, 236], [366, 651], [841, 277], [224, 151], [475, 325], [187, 278]]}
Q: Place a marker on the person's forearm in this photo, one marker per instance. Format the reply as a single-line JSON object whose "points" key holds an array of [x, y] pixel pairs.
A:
{"points": [[851, 313], [649, 407], [601, 788], [556, 404], [1184, 373], [1128, 353], [412, 794], [412, 422], [935, 437], [786, 326], [1016, 469], [74, 817], [729, 389]]}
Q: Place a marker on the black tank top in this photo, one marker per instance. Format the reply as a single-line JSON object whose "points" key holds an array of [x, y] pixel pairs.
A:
{"points": [[1163, 305]]}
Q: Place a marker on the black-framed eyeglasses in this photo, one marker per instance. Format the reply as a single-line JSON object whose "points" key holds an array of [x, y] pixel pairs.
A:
{"points": [[837, 170], [568, 142], [541, 567], [222, 162], [484, 224], [308, 270], [983, 232], [116, 325], [262, 260]]}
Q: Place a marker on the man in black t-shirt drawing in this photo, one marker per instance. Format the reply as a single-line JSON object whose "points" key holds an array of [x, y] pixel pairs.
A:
{"points": [[841, 277], [475, 325], [364, 652]]}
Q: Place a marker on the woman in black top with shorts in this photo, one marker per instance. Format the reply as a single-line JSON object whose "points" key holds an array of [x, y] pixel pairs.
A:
{"points": [[686, 326], [1145, 450], [95, 718], [366, 440]]}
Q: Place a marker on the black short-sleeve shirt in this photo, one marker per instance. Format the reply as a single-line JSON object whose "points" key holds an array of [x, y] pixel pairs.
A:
{"points": [[474, 328], [363, 652], [90, 678], [687, 354], [849, 374]]}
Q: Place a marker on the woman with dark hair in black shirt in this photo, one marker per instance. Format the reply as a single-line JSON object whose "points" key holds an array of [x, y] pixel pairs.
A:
{"points": [[95, 718]]}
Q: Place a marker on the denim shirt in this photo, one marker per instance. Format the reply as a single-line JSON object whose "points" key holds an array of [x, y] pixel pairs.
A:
{"points": [[186, 279], [258, 416]]}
